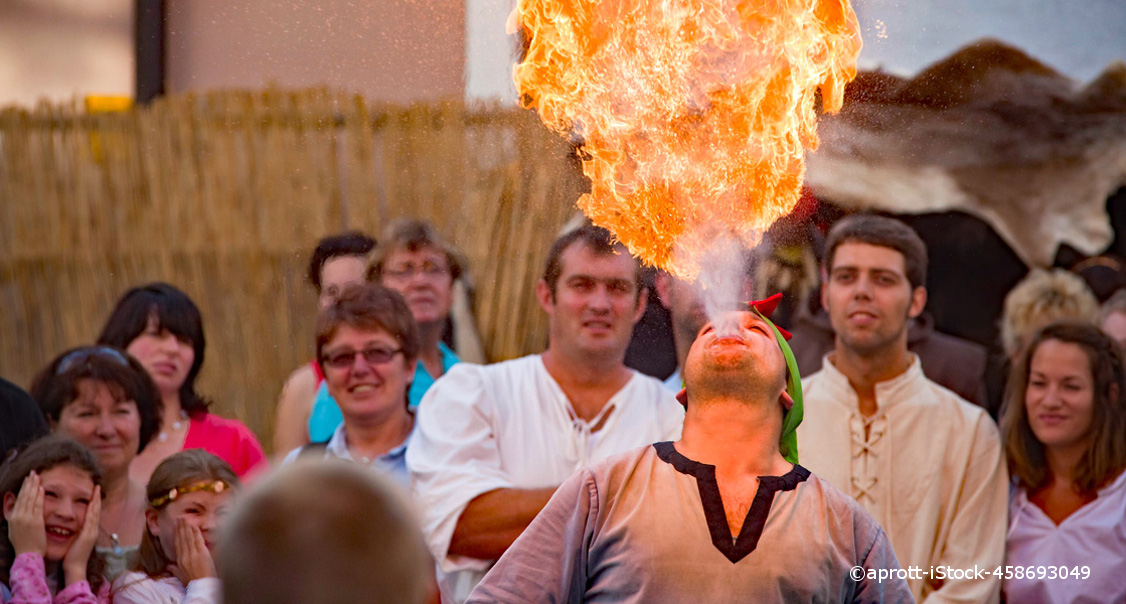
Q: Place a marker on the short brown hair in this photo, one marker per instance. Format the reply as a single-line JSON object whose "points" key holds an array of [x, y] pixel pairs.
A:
{"points": [[598, 240], [884, 232], [324, 531], [373, 307], [411, 235], [1105, 457], [341, 245], [179, 470], [124, 375]]}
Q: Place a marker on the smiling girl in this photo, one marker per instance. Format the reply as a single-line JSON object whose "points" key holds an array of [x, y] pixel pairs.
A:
{"points": [[188, 495], [52, 500]]}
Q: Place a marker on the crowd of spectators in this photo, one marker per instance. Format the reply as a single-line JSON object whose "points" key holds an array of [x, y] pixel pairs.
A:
{"points": [[768, 466]]}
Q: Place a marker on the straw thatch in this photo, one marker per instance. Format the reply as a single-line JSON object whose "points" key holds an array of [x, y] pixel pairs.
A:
{"points": [[225, 194]]}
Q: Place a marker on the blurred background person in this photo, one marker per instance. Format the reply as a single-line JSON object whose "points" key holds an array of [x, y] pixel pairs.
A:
{"points": [[1064, 424], [52, 498], [1040, 298], [162, 328], [687, 312], [286, 543], [367, 347], [337, 261], [687, 315], [1113, 317], [414, 260], [104, 400], [188, 496], [20, 419]]}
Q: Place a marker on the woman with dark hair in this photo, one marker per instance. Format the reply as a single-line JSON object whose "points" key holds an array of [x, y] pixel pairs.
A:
{"points": [[1064, 423], [337, 262], [103, 399], [188, 495], [161, 326], [52, 497]]}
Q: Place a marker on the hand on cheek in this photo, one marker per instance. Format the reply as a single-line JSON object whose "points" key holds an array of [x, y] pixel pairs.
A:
{"points": [[193, 560], [26, 529], [74, 564]]}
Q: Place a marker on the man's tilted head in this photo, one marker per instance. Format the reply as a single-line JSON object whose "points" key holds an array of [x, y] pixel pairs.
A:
{"points": [[735, 357]]}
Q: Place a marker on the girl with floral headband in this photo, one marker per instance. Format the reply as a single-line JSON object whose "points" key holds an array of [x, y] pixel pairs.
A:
{"points": [[52, 500], [188, 495]]}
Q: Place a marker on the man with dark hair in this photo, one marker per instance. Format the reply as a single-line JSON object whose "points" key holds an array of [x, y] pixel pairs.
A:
{"points": [[924, 462], [494, 442], [327, 275], [955, 363], [337, 262], [725, 514]]}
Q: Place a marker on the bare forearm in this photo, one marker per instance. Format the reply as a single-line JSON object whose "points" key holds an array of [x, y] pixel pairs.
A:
{"points": [[493, 520]]}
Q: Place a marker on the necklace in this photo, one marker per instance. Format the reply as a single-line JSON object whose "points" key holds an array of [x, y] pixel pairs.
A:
{"points": [[176, 426]]}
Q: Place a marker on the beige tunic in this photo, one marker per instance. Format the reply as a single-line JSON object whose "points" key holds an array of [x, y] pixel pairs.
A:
{"points": [[648, 527], [929, 468]]}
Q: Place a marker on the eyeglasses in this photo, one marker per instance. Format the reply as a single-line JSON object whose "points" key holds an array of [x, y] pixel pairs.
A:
{"points": [[372, 356], [82, 355], [408, 271]]}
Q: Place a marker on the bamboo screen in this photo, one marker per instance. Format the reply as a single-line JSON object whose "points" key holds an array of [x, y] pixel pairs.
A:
{"points": [[225, 194]]}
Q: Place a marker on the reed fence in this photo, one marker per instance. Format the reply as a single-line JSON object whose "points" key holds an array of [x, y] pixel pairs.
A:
{"points": [[224, 195]]}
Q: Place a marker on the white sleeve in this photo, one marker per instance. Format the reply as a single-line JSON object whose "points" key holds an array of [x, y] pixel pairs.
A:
{"points": [[291, 456], [203, 591], [137, 588], [453, 457]]}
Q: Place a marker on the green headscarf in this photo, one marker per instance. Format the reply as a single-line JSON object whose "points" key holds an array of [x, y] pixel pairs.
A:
{"points": [[788, 441]]}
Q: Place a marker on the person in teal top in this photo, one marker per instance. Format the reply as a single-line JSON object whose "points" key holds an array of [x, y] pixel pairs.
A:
{"points": [[415, 261], [326, 414]]}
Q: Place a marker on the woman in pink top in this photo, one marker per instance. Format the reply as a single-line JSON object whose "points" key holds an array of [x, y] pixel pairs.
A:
{"points": [[161, 326], [1064, 424]]}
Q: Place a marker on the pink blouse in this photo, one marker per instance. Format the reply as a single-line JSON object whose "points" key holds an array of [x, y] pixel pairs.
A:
{"points": [[29, 585], [228, 439]]}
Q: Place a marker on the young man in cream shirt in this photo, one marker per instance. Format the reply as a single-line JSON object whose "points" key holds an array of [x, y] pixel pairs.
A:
{"points": [[925, 463]]}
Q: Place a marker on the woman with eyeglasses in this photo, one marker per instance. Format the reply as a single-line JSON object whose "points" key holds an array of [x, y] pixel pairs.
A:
{"points": [[103, 399], [413, 260], [161, 326], [367, 346], [1064, 424]]}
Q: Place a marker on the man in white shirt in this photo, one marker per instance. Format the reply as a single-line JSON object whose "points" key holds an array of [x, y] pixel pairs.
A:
{"points": [[494, 442], [925, 463]]}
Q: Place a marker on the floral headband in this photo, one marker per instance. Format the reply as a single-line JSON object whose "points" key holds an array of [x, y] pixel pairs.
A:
{"points": [[213, 486]]}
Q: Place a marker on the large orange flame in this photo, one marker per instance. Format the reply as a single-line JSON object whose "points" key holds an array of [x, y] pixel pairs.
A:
{"points": [[694, 115]]}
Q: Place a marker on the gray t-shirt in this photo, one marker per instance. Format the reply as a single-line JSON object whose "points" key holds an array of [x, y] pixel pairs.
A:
{"points": [[649, 526]]}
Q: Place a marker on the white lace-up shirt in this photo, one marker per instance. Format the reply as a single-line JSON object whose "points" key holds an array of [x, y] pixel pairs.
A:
{"points": [[509, 425], [927, 465]]}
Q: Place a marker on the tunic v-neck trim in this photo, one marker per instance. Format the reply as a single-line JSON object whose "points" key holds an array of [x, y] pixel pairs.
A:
{"points": [[737, 549]]}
